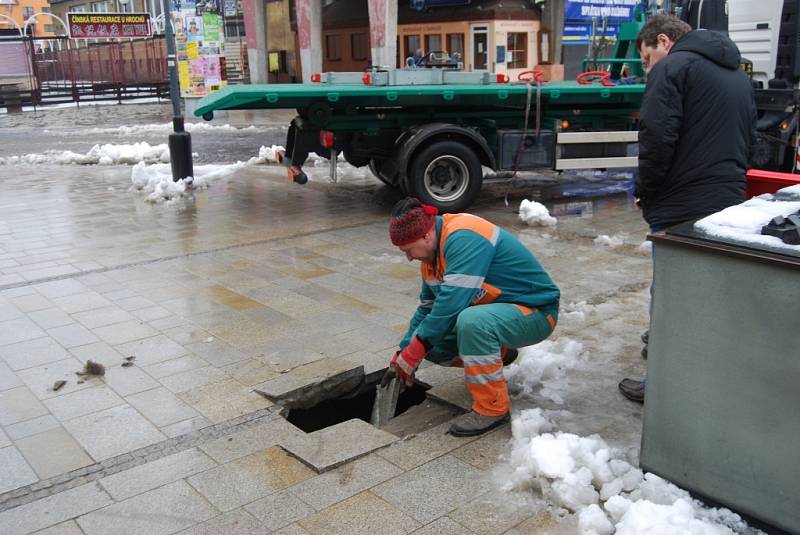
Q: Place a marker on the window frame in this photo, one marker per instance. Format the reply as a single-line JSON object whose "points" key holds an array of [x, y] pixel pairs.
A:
{"points": [[337, 39], [518, 61]]}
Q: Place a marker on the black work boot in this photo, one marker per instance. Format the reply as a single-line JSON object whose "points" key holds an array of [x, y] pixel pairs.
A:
{"points": [[632, 389], [472, 424]]}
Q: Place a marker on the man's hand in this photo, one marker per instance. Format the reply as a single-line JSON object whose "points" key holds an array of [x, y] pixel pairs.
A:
{"points": [[404, 363]]}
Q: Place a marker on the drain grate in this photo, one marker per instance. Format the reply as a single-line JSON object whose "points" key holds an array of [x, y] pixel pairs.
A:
{"points": [[335, 411]]}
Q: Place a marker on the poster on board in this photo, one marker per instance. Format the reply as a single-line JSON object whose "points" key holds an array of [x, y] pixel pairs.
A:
{"points": [[199, 39]]}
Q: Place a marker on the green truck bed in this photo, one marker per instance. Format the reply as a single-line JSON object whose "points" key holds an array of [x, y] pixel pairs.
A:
{"points": [[300, 96]]}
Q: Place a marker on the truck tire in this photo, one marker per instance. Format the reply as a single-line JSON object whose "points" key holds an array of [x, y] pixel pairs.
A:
{"points": [[447, 175], [375, 168]]}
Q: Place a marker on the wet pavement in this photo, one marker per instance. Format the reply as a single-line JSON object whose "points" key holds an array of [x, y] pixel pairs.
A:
{"points": [[256, 284]]}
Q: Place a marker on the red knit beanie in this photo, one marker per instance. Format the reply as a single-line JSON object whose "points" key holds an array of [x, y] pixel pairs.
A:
{"points": [[412, 225]]}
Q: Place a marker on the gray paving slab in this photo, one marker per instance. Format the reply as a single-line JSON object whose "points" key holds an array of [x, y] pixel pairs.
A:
{"points": [[453, 392], [184, 426], [18, 330], [60, 288], [217, 352], [174, 366], [113, 431], [100, 317], [152, 350], [250, 372], [332, 446], [8, 379], [99, 352], [31, 302], [236, 522], [128, 380], [278, 510], [247, 479], [41, 379], [161, 406], [83, 402], [72, 335], [182, 382], [434, 489], [53, 452], [345, 481], [32, 427], [69, 527], [53, 509], [485, 452], [161, 511], [4, 440], [224, 400], [32, 353], [127, 331], [302, 385], [80, 302], [364, 513], [154, 474], [495, 512], [443, 526], [18, 405], [51, 317], [423, 447], [152, 313], [16, 471], [253, 439]]}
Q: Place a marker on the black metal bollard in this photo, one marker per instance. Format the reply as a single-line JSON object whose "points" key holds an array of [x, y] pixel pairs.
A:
{"points": [[180, 151]]}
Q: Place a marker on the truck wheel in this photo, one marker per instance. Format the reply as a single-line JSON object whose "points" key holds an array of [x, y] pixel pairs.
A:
{"points": [[375, 168], [447, 175]]}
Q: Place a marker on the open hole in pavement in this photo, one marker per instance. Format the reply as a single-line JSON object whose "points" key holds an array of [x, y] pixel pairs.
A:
{"points": [[335, 411]]}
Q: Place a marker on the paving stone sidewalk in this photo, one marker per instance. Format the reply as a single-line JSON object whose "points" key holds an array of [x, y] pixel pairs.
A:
{"points": [[258, 282]]}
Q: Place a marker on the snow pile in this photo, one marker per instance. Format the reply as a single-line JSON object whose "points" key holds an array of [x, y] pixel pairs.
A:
{"points": [[156, 180], [534, 213], [645, 248], [165, 128], [266, 155], [586, 476], [107, 154], [610, 241], [792, 193], [743, 222], [542, 365]]}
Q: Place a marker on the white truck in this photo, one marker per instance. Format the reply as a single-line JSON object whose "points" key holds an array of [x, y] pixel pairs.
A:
{"points": [[766, 32]]}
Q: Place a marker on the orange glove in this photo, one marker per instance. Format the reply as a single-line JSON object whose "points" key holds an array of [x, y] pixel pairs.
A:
{"points": [[405, 362]]}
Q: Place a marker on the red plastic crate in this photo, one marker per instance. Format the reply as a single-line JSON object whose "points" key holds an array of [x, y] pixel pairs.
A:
{"points": [[760, 181]]}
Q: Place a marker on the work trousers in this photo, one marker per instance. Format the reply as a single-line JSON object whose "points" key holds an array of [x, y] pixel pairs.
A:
{"points": [[481, 335]]}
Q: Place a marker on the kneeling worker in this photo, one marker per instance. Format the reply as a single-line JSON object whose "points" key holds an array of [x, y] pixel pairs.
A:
{"points": [[483, 295]]}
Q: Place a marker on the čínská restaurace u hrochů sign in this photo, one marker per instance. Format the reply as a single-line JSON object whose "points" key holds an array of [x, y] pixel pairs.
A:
{"points": [[108, 25]]}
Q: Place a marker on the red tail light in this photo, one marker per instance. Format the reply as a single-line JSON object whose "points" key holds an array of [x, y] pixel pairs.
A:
{"points": [[501, 78], [326, 138], [367, 78], [316, 77]]}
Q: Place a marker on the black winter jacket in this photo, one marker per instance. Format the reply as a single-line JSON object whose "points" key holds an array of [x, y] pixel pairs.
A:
{"points": [[697, 125]]}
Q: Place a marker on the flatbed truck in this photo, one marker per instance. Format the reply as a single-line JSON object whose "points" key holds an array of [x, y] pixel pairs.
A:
{"points": [[429, 132]]}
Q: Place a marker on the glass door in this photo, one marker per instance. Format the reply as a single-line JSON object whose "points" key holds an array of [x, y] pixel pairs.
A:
{"points": [[480, 48]]}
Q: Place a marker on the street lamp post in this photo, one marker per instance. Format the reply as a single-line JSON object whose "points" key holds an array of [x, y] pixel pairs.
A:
{"points": [[180, 142]]}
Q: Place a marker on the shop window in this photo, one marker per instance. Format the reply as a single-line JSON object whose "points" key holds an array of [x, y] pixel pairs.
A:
{"points": [[433, 43], [517, 50], [410, 44], [359, 46], [455, 43], [333, 49], [101, 7]]}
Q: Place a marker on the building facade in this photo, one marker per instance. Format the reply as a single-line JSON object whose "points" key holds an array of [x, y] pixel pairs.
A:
{"points": [[21, 11]]}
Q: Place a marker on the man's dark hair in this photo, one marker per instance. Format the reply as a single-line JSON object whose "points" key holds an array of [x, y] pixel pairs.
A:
{"points": [[669, 25], [403, 206]]}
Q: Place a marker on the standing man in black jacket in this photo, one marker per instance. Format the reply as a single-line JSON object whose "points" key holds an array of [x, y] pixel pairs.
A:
{"points": [[697, 125]]}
